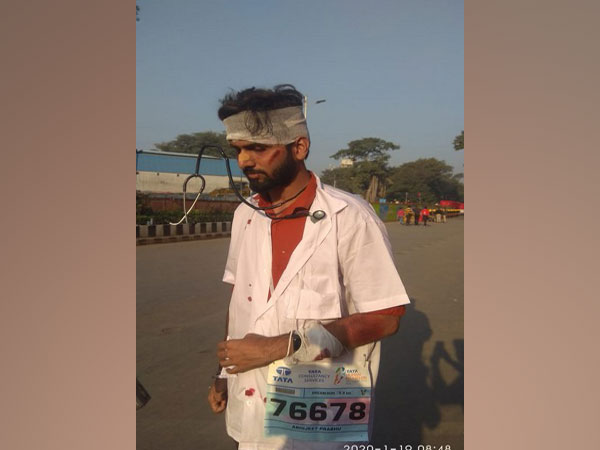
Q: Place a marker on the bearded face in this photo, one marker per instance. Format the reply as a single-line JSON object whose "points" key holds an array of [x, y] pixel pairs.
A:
{"points": [[262, 178]]}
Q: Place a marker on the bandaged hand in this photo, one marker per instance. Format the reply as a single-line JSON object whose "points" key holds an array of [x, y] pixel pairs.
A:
{"points": [[317, 343]]}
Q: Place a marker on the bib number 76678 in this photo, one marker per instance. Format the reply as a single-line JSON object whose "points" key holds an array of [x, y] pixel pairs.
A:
{"points": [[320, 411]]}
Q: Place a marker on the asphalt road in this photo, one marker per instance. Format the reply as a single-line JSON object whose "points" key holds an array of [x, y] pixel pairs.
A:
{"points": [[181, 307]]}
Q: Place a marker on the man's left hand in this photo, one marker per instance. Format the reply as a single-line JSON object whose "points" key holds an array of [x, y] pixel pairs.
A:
{"points": [[251, 352]]}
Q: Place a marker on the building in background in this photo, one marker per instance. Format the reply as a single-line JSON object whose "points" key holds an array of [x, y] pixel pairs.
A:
{"points": [[165, 172], [346, 162]]}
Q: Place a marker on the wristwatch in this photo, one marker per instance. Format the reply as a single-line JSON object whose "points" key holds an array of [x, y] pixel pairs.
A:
{"points": [[296, 341]]}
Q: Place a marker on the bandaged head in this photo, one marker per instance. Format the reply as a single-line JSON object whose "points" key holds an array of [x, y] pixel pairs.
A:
{"points": [[280, 126]]}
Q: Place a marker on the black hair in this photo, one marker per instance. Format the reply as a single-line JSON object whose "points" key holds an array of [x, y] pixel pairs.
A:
{"points": [[258, 102]]}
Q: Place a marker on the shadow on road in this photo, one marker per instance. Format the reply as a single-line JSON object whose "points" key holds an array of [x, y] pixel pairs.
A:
{"points": [[452, 393], [405, 401]]}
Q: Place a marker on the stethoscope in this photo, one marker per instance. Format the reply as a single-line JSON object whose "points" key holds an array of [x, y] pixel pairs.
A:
{"points": [[314, 216]]}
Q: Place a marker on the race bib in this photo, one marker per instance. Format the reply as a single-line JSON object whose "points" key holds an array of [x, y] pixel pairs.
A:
{"points": [[319, 401]]}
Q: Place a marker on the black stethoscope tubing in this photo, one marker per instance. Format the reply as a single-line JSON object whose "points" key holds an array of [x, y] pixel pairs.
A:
{"points": [[317, 215]]}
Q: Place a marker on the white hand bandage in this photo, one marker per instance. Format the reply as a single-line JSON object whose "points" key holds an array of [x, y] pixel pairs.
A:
{"points": [[317, 343]]}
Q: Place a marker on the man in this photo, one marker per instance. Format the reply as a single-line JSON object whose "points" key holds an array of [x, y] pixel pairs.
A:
{"points": [[408, 215], [417, 211], [314, 287], [438, 214], [400, 215], [425, 214]]}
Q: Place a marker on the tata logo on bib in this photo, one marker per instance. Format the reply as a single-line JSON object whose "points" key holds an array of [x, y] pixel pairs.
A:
{"points": [[283, 371], [340, 373], [283, 375]]}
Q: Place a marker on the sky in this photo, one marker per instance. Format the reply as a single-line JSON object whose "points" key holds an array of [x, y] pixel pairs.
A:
{"points": [[391, 69]]}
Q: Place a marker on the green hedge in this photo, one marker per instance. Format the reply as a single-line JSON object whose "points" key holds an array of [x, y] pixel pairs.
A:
{"points": [[392, 210]]}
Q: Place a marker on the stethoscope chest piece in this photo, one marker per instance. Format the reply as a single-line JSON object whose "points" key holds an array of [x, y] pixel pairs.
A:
{"points": [[318, 215]]}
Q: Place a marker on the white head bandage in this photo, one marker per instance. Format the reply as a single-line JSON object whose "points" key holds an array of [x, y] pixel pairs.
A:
{"points": [[288, 124]]}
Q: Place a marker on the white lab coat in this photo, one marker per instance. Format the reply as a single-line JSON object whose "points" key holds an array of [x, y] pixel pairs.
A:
{"points": [[342, 265]]}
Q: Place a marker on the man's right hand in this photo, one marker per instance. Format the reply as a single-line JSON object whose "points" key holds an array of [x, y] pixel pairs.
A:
{"points": [[217, 395]]}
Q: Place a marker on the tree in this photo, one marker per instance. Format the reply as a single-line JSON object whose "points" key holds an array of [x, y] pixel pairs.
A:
{"points": [[192, 143], [368, 176], [344, 178], [367, 149], [430, 177], [459, 141]]}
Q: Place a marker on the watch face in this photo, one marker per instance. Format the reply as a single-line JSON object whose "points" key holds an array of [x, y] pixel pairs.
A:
{"points": [[296, 341]]}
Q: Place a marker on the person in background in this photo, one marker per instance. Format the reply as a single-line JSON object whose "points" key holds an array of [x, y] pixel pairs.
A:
{"points": [[425, 215], [417, 211], [400, 215], [408, 215], [438, 214]]}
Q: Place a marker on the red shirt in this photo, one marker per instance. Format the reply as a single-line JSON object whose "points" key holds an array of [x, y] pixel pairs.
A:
{"points": [[286, 234]]}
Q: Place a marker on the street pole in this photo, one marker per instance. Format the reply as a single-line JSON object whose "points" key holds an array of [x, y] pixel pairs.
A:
{"points": [[332, 168], [306, 104]]}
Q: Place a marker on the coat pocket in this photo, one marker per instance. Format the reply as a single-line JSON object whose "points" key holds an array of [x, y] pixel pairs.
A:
{"points": [[310, 304]]}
